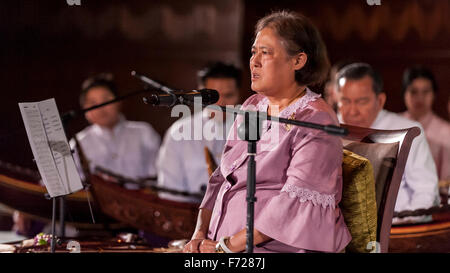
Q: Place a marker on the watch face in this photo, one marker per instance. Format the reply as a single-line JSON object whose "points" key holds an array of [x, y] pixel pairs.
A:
{"points": [[219, 248]]}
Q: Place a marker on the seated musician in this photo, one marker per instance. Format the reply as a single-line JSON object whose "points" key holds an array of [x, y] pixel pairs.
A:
{"points": [[420, 89], [360, 103], [181, 161], [127, 148], [298, 170], [329, 92]]}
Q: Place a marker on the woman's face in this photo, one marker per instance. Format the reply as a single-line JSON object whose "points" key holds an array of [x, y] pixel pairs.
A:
{"points": [[419, 97], [272, 69]]}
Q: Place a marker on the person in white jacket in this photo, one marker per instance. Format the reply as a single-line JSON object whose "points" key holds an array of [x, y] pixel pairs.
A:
{"points": [[360, 102], [127, 148], [181, 162]]}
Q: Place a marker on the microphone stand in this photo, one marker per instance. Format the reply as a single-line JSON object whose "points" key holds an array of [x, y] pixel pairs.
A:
{"points": [[250, 131], [68, 116]]}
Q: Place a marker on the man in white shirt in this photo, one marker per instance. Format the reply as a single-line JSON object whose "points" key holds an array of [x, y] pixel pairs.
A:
{"points": [[181, 163], [127, 148], [360, 103]]}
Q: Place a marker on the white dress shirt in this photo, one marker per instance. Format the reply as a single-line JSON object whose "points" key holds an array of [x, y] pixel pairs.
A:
{"points": [[181, 163], [129, 149], [419, 185]]}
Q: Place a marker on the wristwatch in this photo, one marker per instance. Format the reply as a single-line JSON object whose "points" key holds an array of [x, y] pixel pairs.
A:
{"points": [[219, 249], [221, 246]]}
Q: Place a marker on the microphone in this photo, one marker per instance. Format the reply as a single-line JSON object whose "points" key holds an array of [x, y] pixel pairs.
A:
{"points": [[208, 96]]}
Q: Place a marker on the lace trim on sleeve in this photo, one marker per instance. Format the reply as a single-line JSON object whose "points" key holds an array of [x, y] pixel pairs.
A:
{"points": [[304, 195]]}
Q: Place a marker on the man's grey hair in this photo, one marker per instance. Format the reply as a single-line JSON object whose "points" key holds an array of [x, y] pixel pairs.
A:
{"points": [[357, 71]]}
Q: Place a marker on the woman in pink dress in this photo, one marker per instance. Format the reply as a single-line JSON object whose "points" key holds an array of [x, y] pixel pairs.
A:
{"points": [[419, 89], [298, 170]]}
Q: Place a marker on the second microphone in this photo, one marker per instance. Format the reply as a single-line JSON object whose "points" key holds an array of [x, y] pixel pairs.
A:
{"points": [[208, 96]]}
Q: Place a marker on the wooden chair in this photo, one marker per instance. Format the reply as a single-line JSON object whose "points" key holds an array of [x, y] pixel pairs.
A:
{"points": [[387, 150]]}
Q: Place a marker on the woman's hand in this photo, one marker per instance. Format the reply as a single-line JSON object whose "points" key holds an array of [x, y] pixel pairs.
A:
{"points": [[192, 246], [208, 246]]}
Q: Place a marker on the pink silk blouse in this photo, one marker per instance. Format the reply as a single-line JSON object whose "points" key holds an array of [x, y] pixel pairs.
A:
{"points": [[298, 182]]}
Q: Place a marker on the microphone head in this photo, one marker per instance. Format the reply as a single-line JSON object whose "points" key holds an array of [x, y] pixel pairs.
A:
{"points": [[152, 100], [209, 96]]}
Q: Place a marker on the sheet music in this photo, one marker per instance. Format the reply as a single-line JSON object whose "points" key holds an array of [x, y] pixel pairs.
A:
{"points": [[50, 147]]}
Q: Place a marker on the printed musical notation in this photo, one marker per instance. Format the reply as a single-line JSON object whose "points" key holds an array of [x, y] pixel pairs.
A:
{"points": [[50, 148]]}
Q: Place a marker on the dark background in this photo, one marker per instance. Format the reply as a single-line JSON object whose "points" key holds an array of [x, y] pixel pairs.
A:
{"points": [[48, 48]]}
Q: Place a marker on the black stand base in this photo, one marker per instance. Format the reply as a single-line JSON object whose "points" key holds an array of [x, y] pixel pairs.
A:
{"points": [[53, 239], [61, 233], [251, 199], [250, 131]]}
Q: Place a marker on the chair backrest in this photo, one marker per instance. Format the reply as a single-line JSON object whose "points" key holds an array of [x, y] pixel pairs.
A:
{"points": [[388, 151]]}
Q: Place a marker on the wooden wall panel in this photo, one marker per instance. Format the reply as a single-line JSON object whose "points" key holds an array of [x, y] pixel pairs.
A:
{"points": [[48, 48], [391, 36]]}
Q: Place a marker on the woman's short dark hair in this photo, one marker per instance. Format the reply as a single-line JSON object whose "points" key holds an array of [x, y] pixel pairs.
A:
{"points": [[357, 71], [416, 72], [105, 80], [219, 70], [298, 34]]}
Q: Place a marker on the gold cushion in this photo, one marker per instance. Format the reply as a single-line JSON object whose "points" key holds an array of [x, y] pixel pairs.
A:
{"points": [[382, 156], [358, 202]]}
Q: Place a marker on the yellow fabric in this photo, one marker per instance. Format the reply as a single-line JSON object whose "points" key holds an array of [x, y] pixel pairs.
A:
{"points": [[358, 202]]}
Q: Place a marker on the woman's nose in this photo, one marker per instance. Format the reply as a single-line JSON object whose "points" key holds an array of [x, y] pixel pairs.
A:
{"points": [[255, 60]]}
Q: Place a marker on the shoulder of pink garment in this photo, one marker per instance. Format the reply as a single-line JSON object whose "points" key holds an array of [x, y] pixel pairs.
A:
{"points": [[253, 101], [260, 103], [300, 104]]}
